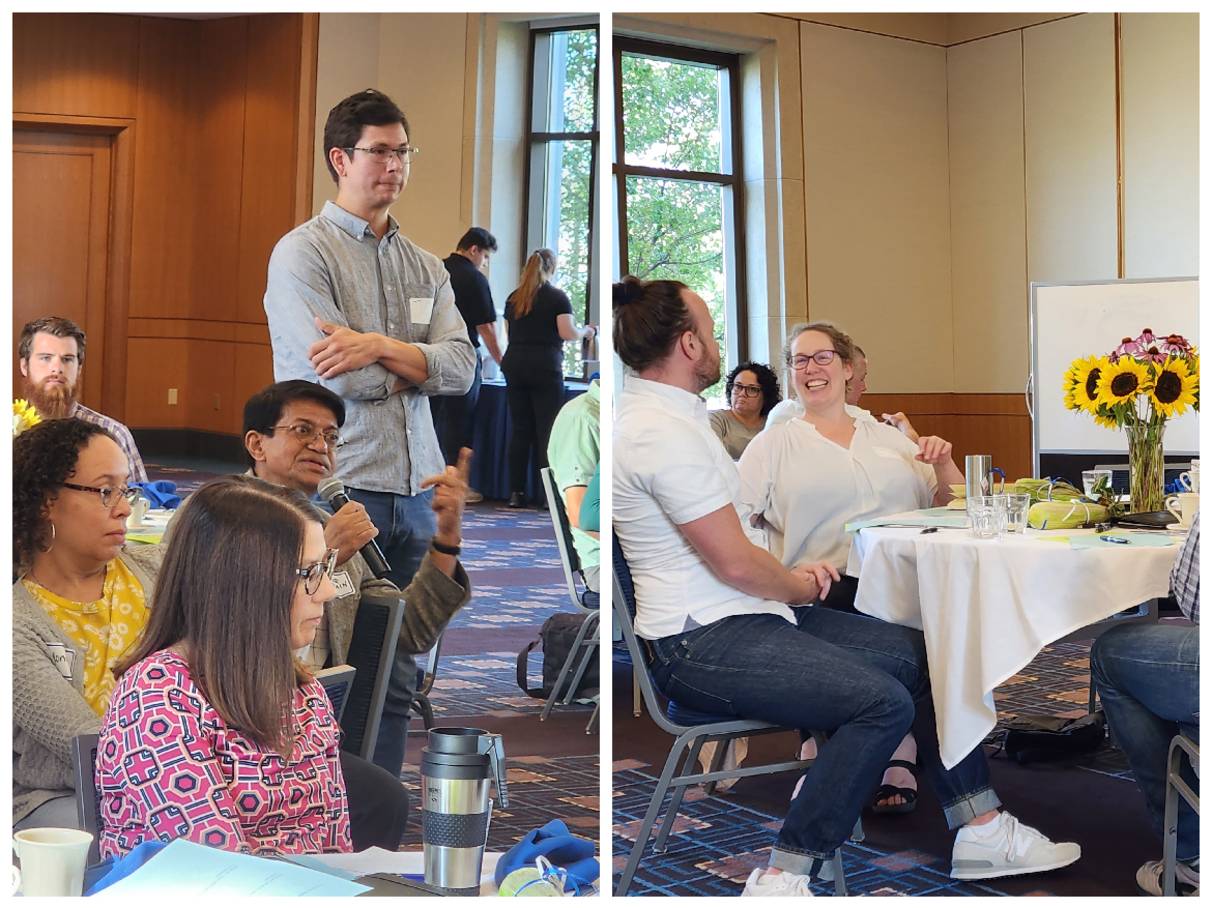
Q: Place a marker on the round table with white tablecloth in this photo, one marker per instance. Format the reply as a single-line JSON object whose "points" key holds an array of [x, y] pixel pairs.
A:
{"points": [[988, 606]]}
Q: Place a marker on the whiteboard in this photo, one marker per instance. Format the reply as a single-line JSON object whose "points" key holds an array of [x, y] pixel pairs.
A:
{"points": [[1086, 318]]}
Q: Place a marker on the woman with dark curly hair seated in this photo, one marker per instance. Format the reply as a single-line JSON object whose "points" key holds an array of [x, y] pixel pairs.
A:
{"points": [[215, 732], [752, 390], [80, 602]]}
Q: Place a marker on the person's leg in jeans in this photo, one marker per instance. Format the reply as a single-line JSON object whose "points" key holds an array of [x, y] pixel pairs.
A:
{"points": [[378, 804], [761, 667], [1148, 680], [406, 525]]}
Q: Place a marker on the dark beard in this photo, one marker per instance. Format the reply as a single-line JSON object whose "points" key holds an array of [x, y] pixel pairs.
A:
{"points": [[51, 402], [707, 376]]}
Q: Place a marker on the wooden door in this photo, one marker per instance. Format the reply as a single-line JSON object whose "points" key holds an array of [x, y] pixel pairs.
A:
{"points": [[61, 224]]}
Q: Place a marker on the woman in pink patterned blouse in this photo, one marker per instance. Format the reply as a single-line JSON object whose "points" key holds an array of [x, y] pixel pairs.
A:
{"points": [[214, 732]]}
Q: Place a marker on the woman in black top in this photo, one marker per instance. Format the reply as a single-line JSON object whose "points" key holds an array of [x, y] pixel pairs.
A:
{"points": [[539, 320]]}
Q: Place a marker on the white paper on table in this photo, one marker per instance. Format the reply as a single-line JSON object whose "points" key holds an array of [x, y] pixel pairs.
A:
{"points": [[184, 868], [404, 863]]}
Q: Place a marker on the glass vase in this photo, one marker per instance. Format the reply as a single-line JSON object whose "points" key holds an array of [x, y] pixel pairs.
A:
{"points": [[1146, 467]]}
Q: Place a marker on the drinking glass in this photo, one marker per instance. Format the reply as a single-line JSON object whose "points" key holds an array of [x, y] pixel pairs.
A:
{"points": [[1017, 506], [987, 516], [1090, 479]]}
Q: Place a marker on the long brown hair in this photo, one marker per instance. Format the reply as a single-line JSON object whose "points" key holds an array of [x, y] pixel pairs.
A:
{"points": [[538, 271], [225, 589]]}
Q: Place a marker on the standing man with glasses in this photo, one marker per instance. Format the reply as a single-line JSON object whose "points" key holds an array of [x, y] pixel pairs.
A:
{"points": [[359, 308]]}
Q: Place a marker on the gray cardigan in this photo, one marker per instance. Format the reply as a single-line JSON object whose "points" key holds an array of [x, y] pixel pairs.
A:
{"points": [[49, 708]]}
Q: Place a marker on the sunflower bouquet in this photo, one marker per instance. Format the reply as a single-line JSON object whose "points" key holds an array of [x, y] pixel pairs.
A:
{"points": [[1137, 387], [25, 416]]}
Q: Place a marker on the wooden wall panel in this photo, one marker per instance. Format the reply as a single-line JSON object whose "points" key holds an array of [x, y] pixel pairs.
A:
{"points": [[153, 365], [220, 79], [75, 65], [254, 369], [208, 397], [270, 151]]}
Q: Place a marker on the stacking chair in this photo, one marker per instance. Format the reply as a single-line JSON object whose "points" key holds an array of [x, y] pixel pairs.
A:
{"points": [[1176, 787], [338, 682], [372, 650], [585, 644], [84, 759], [691, 730], [427, 674]]}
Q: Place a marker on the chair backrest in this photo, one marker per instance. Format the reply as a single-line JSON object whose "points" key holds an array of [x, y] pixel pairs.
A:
{"points": [[624, 612], [569, 559], [84, 760], [372, 650], [338, 682]]}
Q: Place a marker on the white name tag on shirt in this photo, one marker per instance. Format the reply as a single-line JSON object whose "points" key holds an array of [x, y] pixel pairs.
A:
{"points": [[343, 584], [62, 658], [420, 309]]}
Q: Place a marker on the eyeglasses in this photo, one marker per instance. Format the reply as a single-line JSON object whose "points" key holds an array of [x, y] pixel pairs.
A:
{"points": [[383, 155], [747, 390], [306, 433], [312, 573], [110, 496], [799, 362]]}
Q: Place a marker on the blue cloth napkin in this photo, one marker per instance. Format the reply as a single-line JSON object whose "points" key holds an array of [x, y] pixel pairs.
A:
{"points": [[161, 494], [554, 842], [125, 865]]}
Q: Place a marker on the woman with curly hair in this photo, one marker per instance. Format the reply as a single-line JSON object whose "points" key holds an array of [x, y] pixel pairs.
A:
{"points": [[752, 390], [80, 602]]}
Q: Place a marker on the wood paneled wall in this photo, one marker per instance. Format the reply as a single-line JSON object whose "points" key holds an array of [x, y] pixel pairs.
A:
{"points": [[995, 424], [214, 109]]}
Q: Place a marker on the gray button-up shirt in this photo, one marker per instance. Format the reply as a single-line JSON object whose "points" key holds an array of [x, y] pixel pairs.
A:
{"points": [[334, 267]]}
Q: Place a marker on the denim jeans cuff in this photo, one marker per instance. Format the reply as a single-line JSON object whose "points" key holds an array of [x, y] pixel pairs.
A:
{"points": [[970, 806], [795, 861]]}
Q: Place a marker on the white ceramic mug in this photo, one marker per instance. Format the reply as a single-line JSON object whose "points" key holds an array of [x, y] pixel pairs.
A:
{"points": [[138, 511], [52, 860], [1184, 506]]}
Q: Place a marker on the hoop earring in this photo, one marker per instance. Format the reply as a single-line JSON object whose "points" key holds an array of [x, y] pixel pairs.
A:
{"points": [[52, 541]]}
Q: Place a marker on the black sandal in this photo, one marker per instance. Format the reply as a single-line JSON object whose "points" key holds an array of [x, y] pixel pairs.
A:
{"points": [[889, 791]]}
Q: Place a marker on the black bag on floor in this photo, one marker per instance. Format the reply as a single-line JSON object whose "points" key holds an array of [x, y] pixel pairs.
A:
{"points": [[1031, 739], [556, 637]]}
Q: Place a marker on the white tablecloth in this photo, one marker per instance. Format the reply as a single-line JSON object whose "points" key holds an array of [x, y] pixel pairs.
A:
{"points": [[988, 606]]}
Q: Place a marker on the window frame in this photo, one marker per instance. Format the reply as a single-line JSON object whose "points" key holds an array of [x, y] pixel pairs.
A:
{"points": [[734, 245], [535, 138]]}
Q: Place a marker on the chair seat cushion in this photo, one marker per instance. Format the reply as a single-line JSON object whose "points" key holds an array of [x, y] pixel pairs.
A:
{"points": [[684, 715]]}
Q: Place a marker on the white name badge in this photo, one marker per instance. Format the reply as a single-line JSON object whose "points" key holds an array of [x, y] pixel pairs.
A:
{"points": [[62, 657], [420, 309], [343, 584]]}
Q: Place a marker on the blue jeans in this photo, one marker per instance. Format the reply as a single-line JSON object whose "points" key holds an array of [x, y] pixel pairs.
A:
{"points": [[859, 679], [1148, 679], [406, 525]]}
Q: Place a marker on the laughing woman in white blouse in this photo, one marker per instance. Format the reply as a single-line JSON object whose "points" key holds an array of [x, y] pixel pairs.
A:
{"points": [[805, 479]]}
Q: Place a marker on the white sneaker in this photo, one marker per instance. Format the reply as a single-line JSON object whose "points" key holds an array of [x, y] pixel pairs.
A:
{"points": [[776, 885], [1149, 879], [1006, 847]]}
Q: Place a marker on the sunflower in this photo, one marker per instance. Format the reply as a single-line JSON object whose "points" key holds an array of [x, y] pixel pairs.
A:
{"points": [[1081, 383], [25, 416], [1106, 418], [1122, 382], [1174, 388]]}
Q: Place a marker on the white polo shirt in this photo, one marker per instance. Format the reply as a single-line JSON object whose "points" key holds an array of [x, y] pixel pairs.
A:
{"points": [[671, 469], [806, 488]]}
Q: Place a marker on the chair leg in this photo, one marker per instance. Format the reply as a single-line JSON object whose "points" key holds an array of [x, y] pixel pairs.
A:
{"points": [[671, 815], [426, 708], [857, 835], [637, 708], [590, 648], [593, 718], [717, 763], [654, 807], [563, 675], [839, 874], [1170, 825]]}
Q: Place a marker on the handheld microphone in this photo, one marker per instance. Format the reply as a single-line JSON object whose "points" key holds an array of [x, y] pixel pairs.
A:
{"points": [[332, 490]]}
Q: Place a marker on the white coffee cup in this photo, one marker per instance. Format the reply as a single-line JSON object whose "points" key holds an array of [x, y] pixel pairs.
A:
{"points": [[1184, 506], [52, 860], [138, 511]]}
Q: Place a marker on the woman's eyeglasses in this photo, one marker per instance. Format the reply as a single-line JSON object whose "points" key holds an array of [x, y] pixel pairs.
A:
{"points": [[747, 390], [311, 574], [800, 361], [110, 495]]}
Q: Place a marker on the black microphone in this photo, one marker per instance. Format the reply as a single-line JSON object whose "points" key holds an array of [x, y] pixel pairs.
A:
{"points": [[332, 490]]}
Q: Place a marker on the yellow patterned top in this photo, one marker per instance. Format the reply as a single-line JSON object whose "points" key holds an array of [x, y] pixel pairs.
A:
{"points": [[104, 629]]}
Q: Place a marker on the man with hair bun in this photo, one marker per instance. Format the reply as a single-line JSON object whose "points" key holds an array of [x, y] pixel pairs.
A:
{"points": [[731, 631]]}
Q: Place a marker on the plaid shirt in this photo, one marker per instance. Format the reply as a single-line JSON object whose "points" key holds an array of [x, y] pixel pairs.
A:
{"points": [[1184, 576], [121, 434]]}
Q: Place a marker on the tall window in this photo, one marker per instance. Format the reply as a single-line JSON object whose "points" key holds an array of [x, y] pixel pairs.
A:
{"points": [[677, 180], [562, 168]]}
